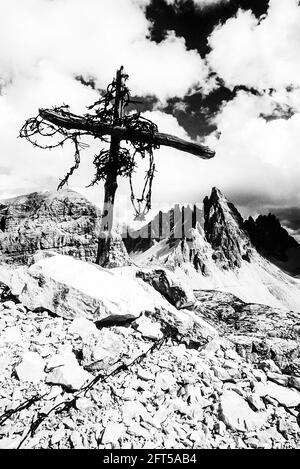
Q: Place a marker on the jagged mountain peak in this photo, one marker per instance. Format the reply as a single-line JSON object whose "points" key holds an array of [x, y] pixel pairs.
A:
{"points": [[223, 226], [218, 202]]}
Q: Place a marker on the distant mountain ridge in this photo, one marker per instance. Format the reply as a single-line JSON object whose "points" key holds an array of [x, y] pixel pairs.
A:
{"points": [[274, 242], [221, 256]]}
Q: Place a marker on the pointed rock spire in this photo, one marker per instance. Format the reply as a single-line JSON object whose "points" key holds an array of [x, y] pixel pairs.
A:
{"points": [[223, 230]]}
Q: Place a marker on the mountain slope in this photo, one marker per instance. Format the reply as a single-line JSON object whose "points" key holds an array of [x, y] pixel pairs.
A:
{"points": [[223, 258]]}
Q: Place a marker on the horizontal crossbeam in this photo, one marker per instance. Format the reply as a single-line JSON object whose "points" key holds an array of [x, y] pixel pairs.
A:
{"points": [[96, 128]]}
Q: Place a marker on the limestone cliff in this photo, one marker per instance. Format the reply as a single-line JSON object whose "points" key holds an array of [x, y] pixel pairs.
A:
{"points": [[64, 221]]}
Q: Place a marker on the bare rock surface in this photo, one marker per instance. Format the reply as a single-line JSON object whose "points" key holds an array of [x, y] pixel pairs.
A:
{"points": [[64, 222], [224, 231], [164, 391], [264, 335], [175, 291], [73, 288], [237, 414]]}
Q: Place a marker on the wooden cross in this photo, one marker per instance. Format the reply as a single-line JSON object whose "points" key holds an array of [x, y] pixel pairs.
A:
{"points": [[118, 132]]}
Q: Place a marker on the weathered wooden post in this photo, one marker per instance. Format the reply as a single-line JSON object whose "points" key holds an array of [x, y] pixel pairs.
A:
{"points": [[111, 184]]}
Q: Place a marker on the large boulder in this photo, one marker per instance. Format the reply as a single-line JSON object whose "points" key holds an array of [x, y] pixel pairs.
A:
{"points": [[76, 289], [174, 290], [72, 288]]}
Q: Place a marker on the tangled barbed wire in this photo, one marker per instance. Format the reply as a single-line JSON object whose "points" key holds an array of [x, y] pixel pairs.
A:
{"points": [[103, 111]]}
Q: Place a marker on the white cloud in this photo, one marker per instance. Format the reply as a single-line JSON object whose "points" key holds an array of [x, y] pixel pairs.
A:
{"points": [[95, 38], [258, 159], [259, 53], [45, 43]]}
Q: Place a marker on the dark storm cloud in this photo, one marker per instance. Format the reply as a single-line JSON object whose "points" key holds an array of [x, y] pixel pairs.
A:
{"points": [[194, 24], [195, 112], [290, 217]]}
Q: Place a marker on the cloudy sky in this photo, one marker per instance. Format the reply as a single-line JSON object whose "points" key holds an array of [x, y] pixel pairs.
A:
{"points": [[224, 72]]}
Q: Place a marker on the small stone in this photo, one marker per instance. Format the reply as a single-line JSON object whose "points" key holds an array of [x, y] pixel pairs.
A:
{"points": [[165, 380], [9, 304], [65, 356], [231, 354], [57, 436], [149, 329], [178, 350], [9, 443], [221, 428], [237, 415], [4, 362], [260, 375], [2, 325], [295, 382], [55, 391], [31, 368], [212, 347], [69, 423], [252, 442], [145, 375], [220, 373], [197, 436], [138, 430], [21, 308], [17, 395], [72, 377], [12, 335], [134, 410], [278, 378], [113, 432], [83, 404], [209, 422], [169, 442], [270, 365], [76, 440], [83, 327], [256, 401], [161, 415], [285, 396], [103, 349]]}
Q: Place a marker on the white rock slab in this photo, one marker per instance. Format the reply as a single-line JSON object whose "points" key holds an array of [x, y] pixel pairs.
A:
{"points": [[237, 415], [70, 376], [31, 368], [285, 396], [83, 327], [73, 288], [113, 432]]}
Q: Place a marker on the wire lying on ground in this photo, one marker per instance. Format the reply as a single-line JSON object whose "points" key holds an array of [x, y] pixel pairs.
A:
{"points": [[67, 404]]}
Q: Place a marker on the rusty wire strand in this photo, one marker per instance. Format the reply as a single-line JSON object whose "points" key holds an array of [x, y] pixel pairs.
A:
{"points": [[67, 404], [103, 111]]}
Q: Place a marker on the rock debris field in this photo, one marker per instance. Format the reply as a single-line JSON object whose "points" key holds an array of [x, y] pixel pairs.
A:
{"points": [[66, 383]]}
